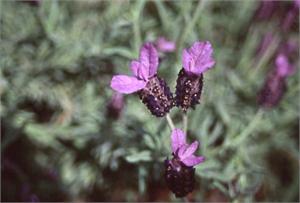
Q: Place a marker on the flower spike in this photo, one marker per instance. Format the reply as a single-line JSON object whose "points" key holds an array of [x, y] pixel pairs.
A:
{"points": [[196, 60], [180, 171], [153, 90]]}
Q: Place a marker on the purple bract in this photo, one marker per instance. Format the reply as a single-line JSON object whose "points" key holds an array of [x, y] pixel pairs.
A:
{"points": [[115, 106], [142, 70], [184, 151], [283, 67], [198, 58], [163, 45]]}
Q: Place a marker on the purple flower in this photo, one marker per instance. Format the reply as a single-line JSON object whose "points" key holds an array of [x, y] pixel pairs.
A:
{"points": [[275, 84], [297, 3], [283, 67], [272, 91], [180, 171], [290, 18], [266, 9], [142, 70], [115, 106], [152, 90], [198, 58], [183, 151], [163, 45], [289, 48]]}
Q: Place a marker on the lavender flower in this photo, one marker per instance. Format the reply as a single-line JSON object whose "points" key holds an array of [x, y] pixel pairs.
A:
{"points": [[163, 45], [196, 60], [289, 48], [115, 106], [275, 85], [291, 17], [179, 173], [153, 91], [297, 3], [283, 67], [266, 9]]}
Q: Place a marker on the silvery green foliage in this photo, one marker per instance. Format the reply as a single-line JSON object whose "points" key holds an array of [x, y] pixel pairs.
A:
{"points": [[62, 55]]}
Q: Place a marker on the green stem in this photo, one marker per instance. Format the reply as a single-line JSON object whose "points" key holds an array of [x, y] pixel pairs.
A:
{"points": [[162, 13], [136, 25], [170, 122], [189, 26], [248, 130]]}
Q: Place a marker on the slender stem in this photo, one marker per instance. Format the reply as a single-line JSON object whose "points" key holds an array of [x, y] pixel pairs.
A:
{"points": [[189, 26], [170, 122], [162, 13], [136, 24], [185, 122]]}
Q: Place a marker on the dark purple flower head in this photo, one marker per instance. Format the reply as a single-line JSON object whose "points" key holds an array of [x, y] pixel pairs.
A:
{"points": [[163, 45], [275, 84], [266, 9], [283, 67], [272, 91], [289, 48], [198, 58], [115, 106], [142, 70], [180, 171], [184, 151], [290, 19]]}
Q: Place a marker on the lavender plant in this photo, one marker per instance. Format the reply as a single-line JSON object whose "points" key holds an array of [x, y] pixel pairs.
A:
{"points": [[155, 93], [67, 136]]}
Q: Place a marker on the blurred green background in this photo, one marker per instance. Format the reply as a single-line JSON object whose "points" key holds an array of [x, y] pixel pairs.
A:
{"points": [[59, 142]]}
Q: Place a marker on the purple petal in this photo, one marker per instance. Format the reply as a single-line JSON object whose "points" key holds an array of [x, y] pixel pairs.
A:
{"points": [[182, 150], [200, 59], [193, 160], [185, 152], [164, 45], [134, 66], [143, 72], [149, 59], [139, 70], [178, 139], [186, 60], [283, 67], [126, 84]]}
